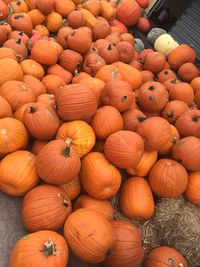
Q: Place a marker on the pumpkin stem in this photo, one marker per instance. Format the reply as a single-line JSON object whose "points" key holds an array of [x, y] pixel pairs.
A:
{"points": [[21, 33], [151, 88], [76, 73], [114, 73], [170, 114], [72, 33], [32, 109], [141, 119], [166, 72], [173, 140], [110, 47], [152, 98], [109, 253], [78, 65], [18, 2], [49, 248], [52, 97], [124, 98], [195, 118], [66, 152], [18, 16], [174, 81], [65, 203], [19, 41]]}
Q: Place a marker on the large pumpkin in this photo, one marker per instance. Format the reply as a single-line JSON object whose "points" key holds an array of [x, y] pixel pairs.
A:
{"points": [[18, 173], [168, 178], [127, 250], [57, 162], [186, 151], [124, 149], [45, 207], [128, 12], [165, 256], [192, 192], [10, 70], [47, 247], [102, 206], [136, 199], [173, 110], [100, 236], [81, 135], [76, 102], [5, 108], [99, 178], [13, 135]]}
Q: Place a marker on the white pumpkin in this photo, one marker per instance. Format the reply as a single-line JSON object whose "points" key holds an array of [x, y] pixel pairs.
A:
{"points": [[165, 44]]}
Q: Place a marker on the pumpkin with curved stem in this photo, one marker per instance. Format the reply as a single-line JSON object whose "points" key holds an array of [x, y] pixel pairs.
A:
{"points": [[71, 60], [99, 178], [131, 118], [182, 91], [5, 108], [136, 199], [45, 6], [92, 63], [49, 248], [164, 75], [99, 232], [57, 162], [37, 145], [73, 188], [52, 83], [170, 83], [154, 62], [41, 121], [128, 239], [165, 256], [152, 96], [186, 151], [23, 176], [109, 53], [101, 206], [124, 149], [61, 72], [78, 41], [10, 70], [21, 22], [104, 125], [173, 110], [128, 12], [39, 214], [188, 71], [193, 187]]}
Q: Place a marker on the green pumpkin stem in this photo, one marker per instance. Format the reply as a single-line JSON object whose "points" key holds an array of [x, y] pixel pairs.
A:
{"points": [[49, 248]]}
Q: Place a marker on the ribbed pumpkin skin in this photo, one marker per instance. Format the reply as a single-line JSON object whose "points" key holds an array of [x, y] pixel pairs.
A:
{"points": [[13, 135], [128, 12], [132, 118], [136, 199], [182, 91], [5, 108], [37, 145], [124, 149], [19, 113], [102, 206], [57, 163], [164, 256], [155, 131], [73, 188], [41, 121], [188, 124], [100, 236], [7, 53], [45, 207], [154, 62], [10, 70], [52, 83], [127, 250], [36, 85], [99, 178], [81, 135], [164, 75], [18, 173], [168, 178], [76, 102], [193, 188], [186, 151], [71, 60], [32, 246]]}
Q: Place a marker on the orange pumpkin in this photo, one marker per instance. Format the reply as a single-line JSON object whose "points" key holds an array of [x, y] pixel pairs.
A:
{"points": [[54, 22], [36, 16], [4, 10], [136, 199], [32, 67], [195, 83], [19, 47], [76, 19], [126, 51], [10, 70], [78, 76], [35, 84], [19, 35], [79, 41], [147, 76], [101, 30], [128, 37], [19, 113], [108, 72], [131, 118], [64, 7], [52, 83], [92, 63], [73, 188], [39, 214], [21, 22], [5, 108], [45, 6], [101, 206], [42, 30], [173, 110], [128, 12], [62, 36], [48, 99], [193, 187], [19, 6], [109, 53], [61, 72], [37, 145], [99, 232], [7, 53], [155, 62], [182, 91], [3, 35], [49, 248], [188, 71], [164, 75], [71, 60], [170, 83], [23, 176]]}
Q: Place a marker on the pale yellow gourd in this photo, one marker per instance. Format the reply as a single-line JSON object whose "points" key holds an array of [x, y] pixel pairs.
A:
{"points": [[165, 44]]}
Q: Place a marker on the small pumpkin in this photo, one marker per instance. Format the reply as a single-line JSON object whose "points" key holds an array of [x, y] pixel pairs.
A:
{"points": [[108, 72], [93, 6], [128, 12], [154, 61], [5, 108], [32, 67], [123, 29], [92, 63], [21, 22], [78, 41], [10, 70], [154, 34], [35, 84], [136, 64], [128, 37], [61, 72], [64, 7], [45, 6], [52, 83], [126, 51], [54, 22], [109, 53], [164, 75], [76, 19], [188, 71], [36, 16], [107, 10], [193, 187], [170, 83], [73, 188], [143, 24], [131, 118], [101, 30], [71, 60], [4, 10], [147, 76], [182, 91]]}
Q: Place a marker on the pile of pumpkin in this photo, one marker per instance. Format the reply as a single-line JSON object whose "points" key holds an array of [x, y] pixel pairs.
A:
{"points": [[78, 109]]}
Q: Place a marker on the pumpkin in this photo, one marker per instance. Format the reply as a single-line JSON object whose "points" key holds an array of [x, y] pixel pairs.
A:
{"points": [[17, 93], [23, 176], [78, 41], [154, 61], [154, 34], [126, 51], [37, 145], [114, 40], [54, 22], [5, 108], [109, 53], [108, 72], [131, 118], [165, 44], [10, 70], [52, 83], [7, 26], [100, 236], [49, 248], [155, 131], [182, 91], [39, 214], [128, 239], [19, 6], [19, 35], [57, 162], [145, 164], [107, 10], [73, 188], [106, 121], [195, 83], [197, 98], [128, 12], [80, 134], [4, 10], [41, 121], [7, 53], [76, 19], [32, 67], [61, 37], [188, 124], [92, 63], [118, 94], [101, 30], [79, 76], [64, 7], [90, 19], [35, 84], [143, 24], [3, 34], [93, 6], [143, 53], [21, 22], [136, 199], [147, 76], [136, 64], [43, 31], [143, 3], [101, 206], [193, 187], [128, 37], [48, 99], [44, 52], [173, 110], [164, 75], [99, 178], [61, 72], [170, 83], [186, 151], [31, 4], [124, 149], [123, 29], [152, 97], [71, 60], [76, 102], [36, 16], [19, 113], [164, 256], [188, 71], [180, 55], [45, 6]]}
